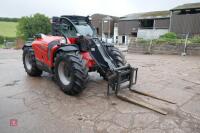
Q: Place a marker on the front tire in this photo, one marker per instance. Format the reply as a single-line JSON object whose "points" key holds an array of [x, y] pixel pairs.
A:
{"points": [[118, 58], [71, 73], [30, 62]]}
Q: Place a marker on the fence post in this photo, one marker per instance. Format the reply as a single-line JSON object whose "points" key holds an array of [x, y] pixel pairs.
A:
{"points": [[5, 43], [185, 46], [150, 45]]}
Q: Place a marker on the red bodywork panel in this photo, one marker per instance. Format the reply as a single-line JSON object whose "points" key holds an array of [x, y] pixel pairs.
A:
{"points": [[40, 47], [89, 60], [72, 40]]}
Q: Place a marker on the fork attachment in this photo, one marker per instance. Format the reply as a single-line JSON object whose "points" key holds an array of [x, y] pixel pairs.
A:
{"points": [[121, 75]]}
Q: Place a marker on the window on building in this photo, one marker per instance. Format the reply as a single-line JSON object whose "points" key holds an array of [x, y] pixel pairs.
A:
{"points": [[147, 24], [97, 29], [123, 39], [187, 11], [194, 11], [134, 34]]}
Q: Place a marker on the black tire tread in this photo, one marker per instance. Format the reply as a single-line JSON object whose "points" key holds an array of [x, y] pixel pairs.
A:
{"points": [[117, 56], [80, 73], [34, 71]]}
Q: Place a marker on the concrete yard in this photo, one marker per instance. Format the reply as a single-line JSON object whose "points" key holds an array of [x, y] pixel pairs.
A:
{"points": [[39, 106]]}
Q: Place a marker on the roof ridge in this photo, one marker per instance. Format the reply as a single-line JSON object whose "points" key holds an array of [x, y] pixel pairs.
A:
{"points": [[192, 5]]}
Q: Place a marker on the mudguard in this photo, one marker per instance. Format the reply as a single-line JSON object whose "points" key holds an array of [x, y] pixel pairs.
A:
{"points": [[68, 48], [28, 44]]}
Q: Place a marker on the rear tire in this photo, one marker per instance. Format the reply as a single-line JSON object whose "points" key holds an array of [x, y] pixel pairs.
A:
{"points": [[30, 62], [71, 73]]}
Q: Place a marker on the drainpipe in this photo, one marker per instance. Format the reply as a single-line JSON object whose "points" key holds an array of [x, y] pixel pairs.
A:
{"points": [[109, 28], [102, 30], [170, 22]]}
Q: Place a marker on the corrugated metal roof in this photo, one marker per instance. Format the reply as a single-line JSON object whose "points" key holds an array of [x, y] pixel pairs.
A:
{"points": [[98, 16], [187, 6], [146, 15]]}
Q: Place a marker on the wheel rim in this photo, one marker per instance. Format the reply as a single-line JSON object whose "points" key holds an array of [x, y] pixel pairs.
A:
{"points": [[64, 73], [28, 62]]}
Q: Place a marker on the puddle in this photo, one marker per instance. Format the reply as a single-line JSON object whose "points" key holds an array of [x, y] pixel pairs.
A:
{"points": [[12, 84]]}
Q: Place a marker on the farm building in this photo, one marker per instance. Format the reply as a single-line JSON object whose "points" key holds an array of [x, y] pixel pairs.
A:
{"points": [[104, 25], [149, 25], [182, 20], [186, 19]]}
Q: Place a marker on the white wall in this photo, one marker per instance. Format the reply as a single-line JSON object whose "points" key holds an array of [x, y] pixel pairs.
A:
{"points": [[119, 39], [115, 34], [151, 33]]}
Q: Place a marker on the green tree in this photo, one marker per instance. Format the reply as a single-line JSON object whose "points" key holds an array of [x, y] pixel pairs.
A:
{"points": [[29, 26]]}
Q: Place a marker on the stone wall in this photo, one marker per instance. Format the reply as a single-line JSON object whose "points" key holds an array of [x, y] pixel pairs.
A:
{"points": [[193, 49], [170, 49]]}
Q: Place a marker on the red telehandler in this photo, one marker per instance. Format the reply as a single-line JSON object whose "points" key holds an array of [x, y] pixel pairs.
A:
{"points": [[72, 51]]}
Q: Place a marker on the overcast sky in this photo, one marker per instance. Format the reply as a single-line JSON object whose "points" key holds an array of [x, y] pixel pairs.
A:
{"points": [[18, 8]]}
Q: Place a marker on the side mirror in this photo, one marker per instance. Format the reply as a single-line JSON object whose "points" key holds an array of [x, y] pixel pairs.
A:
{"points": [[37, 36]]}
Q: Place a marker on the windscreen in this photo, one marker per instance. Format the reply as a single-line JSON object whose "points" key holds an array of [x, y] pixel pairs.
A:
{"points": [[73, 25], [85, 30]]}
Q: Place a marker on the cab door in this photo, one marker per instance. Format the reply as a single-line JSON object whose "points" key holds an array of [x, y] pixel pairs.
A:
{"points": [[68, 29]]}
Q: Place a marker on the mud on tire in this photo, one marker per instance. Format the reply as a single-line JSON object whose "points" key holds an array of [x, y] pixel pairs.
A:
{"points": [[70, 72], [30, 62]]}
